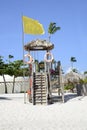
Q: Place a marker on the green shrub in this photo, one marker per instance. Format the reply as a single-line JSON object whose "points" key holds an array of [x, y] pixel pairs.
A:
{"points": [[69, 87], [21, 91]]}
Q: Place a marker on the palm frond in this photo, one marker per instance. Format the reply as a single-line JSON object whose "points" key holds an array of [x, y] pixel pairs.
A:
{"points": [[53, 28]]}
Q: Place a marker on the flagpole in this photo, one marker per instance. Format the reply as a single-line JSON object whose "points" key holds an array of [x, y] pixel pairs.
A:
{"points": [[28, 29], [23, 61]]}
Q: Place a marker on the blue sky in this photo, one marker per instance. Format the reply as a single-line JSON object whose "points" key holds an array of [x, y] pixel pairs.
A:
{"points": [[70, 15]]}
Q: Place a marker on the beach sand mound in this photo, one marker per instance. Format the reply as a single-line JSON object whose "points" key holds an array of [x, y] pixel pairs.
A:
{"points": [[15, 115]]}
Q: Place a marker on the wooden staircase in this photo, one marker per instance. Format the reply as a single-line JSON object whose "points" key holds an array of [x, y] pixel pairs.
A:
{"points": [[39, 88]]}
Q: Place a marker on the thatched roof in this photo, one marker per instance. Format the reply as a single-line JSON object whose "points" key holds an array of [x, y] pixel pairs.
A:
{"points": [[39, 45], [72, 76]]}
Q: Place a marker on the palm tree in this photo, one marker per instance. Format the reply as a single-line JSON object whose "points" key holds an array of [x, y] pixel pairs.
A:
{"points": [[15, 68], [41, 65], [72, 59], [52, 29], [36, 65], [2, 71], [10, 57]]}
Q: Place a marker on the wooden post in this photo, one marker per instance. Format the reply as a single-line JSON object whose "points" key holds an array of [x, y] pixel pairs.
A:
{"points": [[61, 85], [30, 81]]}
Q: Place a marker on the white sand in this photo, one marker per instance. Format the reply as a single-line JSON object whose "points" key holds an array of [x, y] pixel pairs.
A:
{"points": [[15, 115]]}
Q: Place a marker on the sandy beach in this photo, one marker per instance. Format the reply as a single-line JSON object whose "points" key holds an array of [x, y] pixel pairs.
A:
{"points": [[15, 115]]}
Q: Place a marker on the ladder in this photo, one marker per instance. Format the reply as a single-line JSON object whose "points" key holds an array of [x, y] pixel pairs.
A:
{"points": [[39, 88]]}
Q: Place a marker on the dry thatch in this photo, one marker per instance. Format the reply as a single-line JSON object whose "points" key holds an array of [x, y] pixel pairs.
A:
{"points": [[38, 45], [72, 77]]}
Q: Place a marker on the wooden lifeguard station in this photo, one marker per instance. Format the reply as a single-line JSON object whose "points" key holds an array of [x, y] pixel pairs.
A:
{"points": [[39, 82]]}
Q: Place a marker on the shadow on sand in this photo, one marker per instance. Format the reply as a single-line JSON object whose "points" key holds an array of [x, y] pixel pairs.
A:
{"points": [[67, 97], [5, 98], [70, 96]]}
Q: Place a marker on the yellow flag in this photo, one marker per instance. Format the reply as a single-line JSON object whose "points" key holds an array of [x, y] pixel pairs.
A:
{"points": [[31, 26]]}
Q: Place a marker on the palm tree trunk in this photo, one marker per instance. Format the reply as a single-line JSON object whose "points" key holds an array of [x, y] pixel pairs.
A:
{"points": [[71, 65], [49, 37], [5, 83], [13, 84]]}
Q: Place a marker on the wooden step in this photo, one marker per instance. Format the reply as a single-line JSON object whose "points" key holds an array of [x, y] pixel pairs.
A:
{"points": [[39, 89], [38, 98], [39, 86], [40, 102], [41, 81]]}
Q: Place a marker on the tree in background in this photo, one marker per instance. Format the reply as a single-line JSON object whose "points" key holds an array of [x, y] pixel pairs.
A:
{"points": [[17, 70], [41, 66], [52, 29], [10, 57], [72, 59], [3, 71], [85, 72], [12, 68]]}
